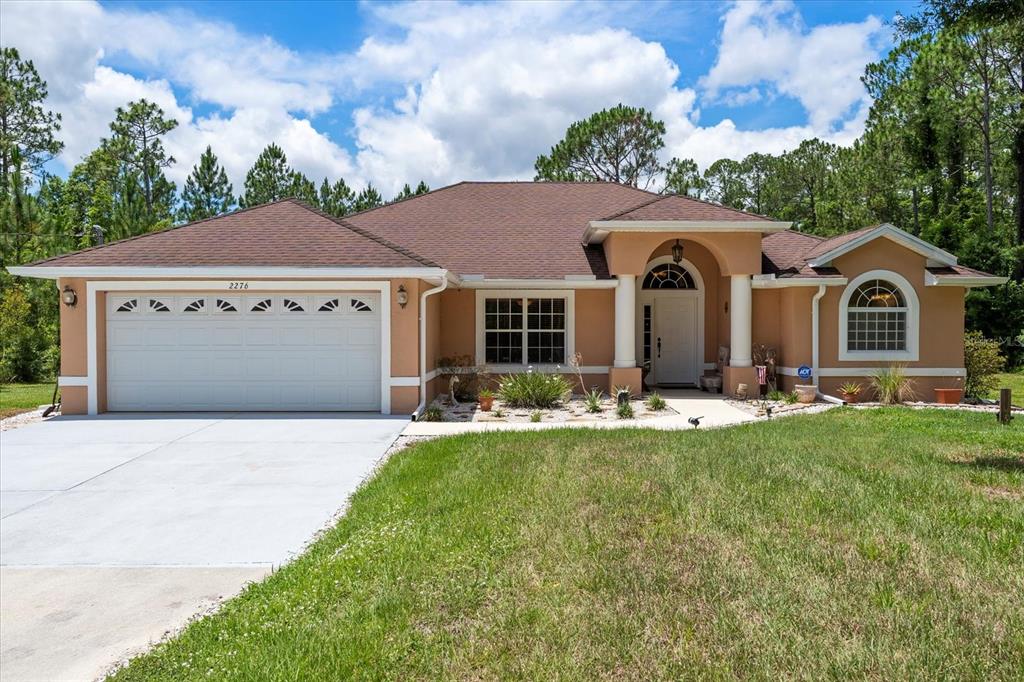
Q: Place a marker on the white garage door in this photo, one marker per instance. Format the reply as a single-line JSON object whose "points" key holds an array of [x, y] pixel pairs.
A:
{"points": [[250, 352]]}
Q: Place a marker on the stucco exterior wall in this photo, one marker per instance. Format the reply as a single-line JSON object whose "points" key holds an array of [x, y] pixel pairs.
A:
{"points": [[737, 253], [73, 362]]}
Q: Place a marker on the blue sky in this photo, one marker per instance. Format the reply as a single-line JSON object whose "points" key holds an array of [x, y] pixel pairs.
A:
{"points": [[398, 92]]}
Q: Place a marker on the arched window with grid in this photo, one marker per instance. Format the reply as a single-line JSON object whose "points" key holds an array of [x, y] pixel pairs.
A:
{"points": [[876, 317], [669, 276]]}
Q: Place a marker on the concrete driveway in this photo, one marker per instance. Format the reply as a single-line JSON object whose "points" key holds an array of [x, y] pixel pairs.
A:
{"points": [[118, 528]]}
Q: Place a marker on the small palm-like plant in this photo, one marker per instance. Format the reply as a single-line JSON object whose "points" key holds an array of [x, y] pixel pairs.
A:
{"points": [[656, 402], [892, 386], [592, 398], [534, 389], [625, 411]]}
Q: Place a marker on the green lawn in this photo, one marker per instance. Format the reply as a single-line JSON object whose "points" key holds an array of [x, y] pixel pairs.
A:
{"points": [[882, 544], [15, 398], [1015, 382]]}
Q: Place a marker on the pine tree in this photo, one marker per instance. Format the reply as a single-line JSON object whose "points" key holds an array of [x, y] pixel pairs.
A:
{"points": [[336, 199], [25, 127], [207, 192], [269, 178], [136, 143], [368, 198]]}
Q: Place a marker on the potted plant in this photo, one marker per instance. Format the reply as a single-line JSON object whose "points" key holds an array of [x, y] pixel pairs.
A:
{"points": [[850, 391], [486, 398]]}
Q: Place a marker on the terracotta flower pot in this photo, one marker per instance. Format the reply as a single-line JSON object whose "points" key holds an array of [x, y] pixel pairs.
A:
{"points": [[486, 403], [850, 397], [806, 393], [948, 396]]}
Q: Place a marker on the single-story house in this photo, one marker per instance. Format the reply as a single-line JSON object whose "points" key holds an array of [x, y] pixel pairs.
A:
{"points": [[282, 307]]}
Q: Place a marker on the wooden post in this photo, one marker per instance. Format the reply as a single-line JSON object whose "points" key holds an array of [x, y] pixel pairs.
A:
{"points": [[1004, 406]]}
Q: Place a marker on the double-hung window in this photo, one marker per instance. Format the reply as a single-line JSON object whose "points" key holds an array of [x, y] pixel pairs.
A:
{"points": [[525, 330]]}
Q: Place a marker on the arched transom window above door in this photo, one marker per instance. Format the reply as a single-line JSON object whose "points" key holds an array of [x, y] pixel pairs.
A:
{"points": [[669, 276]]}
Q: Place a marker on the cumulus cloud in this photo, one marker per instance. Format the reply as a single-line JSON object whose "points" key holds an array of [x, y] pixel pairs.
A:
{"points": [[483, 88], [767, 43]]}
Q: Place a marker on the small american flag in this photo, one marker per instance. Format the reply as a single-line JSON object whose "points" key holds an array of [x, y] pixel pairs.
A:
{"points": [[762, 374]]}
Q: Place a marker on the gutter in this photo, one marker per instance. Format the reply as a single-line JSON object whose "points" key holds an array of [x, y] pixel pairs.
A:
{"points": [[814, 337], [423, 342]]}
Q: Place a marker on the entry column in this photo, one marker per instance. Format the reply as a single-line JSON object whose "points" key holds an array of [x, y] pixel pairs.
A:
{"points": [[740, 370], [625, 372]]}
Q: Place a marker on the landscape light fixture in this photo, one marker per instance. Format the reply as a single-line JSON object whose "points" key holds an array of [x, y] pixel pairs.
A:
{"points": [[69, 297], [677, 252]]}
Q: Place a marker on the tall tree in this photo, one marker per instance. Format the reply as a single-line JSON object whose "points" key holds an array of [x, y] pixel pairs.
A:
{"points": [[269, 178], [367, 199], [727, 184], [302, 188], [683, 177], [620, 144], [26, 128], [336, 199], [137, 141], [207, 191], [407, 191]]}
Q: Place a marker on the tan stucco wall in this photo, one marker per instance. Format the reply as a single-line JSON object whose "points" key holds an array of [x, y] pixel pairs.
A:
{"points": [[766, 324], [595, 322], [405, 330], [737, 253], [458, 317], [404, 399], [795, 340], [73, 361], [942, 308]]}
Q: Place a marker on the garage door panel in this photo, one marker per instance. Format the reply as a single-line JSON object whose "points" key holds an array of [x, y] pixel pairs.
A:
{"points": [[210, 358]]}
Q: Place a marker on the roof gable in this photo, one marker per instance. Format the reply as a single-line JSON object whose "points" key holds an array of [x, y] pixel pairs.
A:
{"points": [[830, 249], [680, 207], [283, 233]]}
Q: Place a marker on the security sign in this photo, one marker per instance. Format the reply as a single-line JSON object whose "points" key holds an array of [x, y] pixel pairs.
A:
{"points": [[804, 372]]}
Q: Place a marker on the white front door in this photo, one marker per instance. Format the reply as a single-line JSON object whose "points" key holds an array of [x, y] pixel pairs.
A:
{"points": [[674, 347], [266, 351]]}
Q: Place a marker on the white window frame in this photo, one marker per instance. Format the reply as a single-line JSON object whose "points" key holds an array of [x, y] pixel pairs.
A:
{"points": [[482, 295], [913, 319]]}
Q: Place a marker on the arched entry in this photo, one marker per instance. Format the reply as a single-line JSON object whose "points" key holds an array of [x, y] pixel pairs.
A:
{"points": [[670, 322]]}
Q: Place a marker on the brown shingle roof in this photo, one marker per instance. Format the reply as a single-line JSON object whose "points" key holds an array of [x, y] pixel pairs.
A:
{"points": [[677, 207], [505, 229], [284, 233]]}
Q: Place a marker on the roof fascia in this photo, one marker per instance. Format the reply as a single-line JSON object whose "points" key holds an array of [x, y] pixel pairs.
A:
{"points": [[967, 281], [934, 254], [598, 230], [236, 272], [773, 282]]}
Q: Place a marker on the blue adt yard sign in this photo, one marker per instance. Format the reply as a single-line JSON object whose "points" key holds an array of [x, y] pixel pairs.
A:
{"points": [[804, 372]]}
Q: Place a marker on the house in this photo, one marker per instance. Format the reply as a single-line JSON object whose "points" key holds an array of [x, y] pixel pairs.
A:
{"points": [[281, 307]]}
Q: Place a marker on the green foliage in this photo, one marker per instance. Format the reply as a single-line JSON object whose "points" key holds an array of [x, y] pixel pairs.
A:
{"points": [[336, 199], [983, 362], [485, 393], [891, 385], [656, 402], [535, 417], [533, 389], [625, 410], [683, 177], [268, 180], [620, 144], [137, 147], [367, 199], [592, 400], [790, 398], [776, 395], [432, 413], [26, 128], [407, 191], [207, 192], [851, 388]]}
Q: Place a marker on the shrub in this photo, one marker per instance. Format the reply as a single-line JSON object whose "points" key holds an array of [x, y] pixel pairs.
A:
{"points": [[433, 413], [593, 400], [776, 394], [983, 361], [656, 402], [535, 417], [892, 386], [533, 389], [625, 411], [485, 393], [790, 398]]}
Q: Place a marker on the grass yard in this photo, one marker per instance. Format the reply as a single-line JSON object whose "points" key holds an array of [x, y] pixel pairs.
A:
{"points": [[886, 544], [16, 398], [1015, 382]]}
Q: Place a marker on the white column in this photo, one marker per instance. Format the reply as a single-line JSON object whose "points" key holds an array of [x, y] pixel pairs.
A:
{"points": [[740, 313], [625, 321]]}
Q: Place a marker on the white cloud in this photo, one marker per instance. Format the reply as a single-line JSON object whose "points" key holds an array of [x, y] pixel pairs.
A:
{"points": [[485, 87], [767, 43]]}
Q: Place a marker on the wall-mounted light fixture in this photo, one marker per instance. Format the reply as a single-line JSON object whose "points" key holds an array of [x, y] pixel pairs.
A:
{"points": [[402, 296], [69, 297], [677, 252]]}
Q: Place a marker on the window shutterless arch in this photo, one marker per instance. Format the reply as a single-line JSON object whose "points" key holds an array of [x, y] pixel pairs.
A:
{"points": [[879, 318]]}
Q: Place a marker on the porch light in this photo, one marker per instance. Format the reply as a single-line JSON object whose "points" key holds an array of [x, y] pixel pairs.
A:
{"points": [[677, 252], [402, 296], [69, 297]]}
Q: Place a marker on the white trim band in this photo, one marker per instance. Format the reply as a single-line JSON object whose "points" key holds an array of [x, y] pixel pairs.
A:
{"points": [[72, 381], [228, 272], [515, 284], [868, 371]]}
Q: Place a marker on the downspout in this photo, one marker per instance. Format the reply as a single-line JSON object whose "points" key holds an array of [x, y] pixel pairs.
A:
{"points": [[423, 341], [814, 343]]}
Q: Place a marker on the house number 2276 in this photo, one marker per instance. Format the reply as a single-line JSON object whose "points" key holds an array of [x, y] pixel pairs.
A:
{"points": [[238, 285]]}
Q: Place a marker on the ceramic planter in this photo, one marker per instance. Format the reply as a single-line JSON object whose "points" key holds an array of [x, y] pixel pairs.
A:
{"points": [[486, 403], [948, 396], [806, 394], [849, 397]]}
